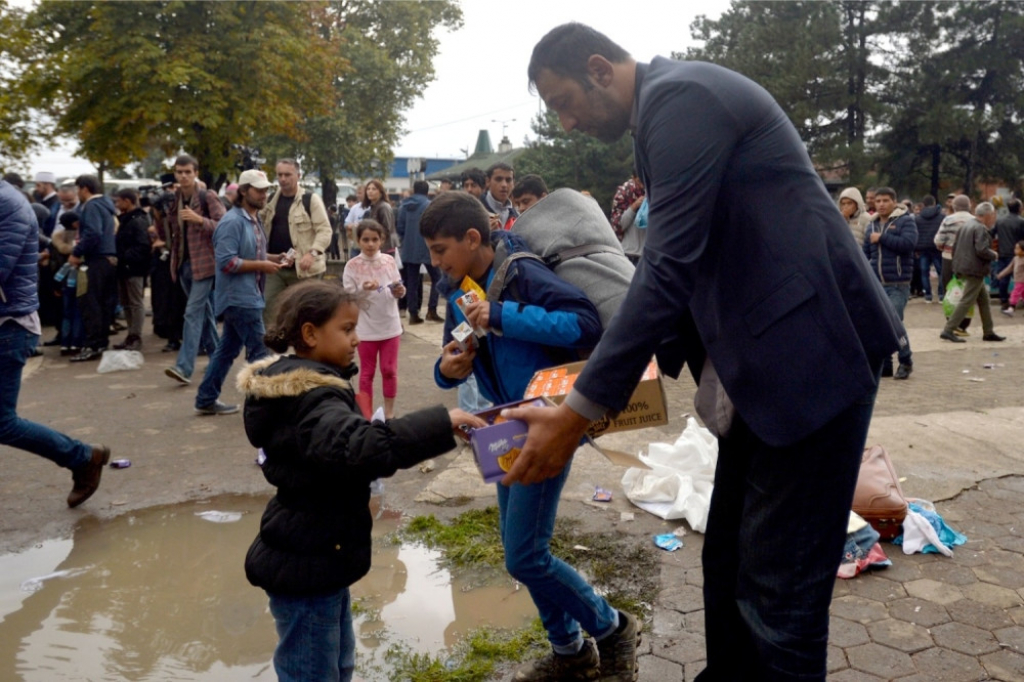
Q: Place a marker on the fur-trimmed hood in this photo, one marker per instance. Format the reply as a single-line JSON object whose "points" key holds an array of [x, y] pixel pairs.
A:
{"points": [[288, 376]]}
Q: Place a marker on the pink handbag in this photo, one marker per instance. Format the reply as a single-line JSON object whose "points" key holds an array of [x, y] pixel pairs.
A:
{"points": [[878, 497]]}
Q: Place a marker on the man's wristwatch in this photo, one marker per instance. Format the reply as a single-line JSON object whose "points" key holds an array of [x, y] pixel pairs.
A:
{"points": [[316, 252]]}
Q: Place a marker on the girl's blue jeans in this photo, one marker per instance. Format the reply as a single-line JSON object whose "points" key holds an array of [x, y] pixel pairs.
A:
{"points": [[564, 600], [316, 640]]}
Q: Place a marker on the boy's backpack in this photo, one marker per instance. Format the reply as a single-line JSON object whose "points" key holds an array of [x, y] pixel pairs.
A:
{"points": [[569, 233]]}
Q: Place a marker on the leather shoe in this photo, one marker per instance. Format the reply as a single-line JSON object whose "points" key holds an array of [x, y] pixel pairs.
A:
{"points": [[993, 337], [948, 336], [87, 355], [87, 476], [432, 316], [903, 371], [415, 319]]}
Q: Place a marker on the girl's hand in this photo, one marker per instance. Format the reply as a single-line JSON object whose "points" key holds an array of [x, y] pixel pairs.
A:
{"points": [[398, 291], [462, 419], [371, 285]]}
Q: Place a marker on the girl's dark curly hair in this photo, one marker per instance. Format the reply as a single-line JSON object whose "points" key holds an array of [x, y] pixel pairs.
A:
{"points": [[314, 302]]}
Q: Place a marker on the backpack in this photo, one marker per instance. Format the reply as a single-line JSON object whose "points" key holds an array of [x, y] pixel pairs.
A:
{"points": [[570, 234]]}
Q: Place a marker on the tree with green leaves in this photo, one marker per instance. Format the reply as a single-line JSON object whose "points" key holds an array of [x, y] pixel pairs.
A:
{"points": [[388, 49], [16, 131], [199, 76], [576, 160]]}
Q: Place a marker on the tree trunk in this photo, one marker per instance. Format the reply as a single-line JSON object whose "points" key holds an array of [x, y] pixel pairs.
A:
{"points": [[936, 167], [329, 187]]}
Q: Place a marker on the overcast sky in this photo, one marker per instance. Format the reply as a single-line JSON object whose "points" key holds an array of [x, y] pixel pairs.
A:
{"points": [[481, 69]]}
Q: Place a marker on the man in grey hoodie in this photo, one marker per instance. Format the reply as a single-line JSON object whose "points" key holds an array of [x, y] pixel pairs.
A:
{"points": [[96, 255], [851, 205]]}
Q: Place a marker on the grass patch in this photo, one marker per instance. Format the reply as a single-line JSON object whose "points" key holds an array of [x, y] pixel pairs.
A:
{"points": [[475, 659], [622, 567]]}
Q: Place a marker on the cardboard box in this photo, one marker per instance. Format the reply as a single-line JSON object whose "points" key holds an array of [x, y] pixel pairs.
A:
{"points": [[647, 405], [496, 447]]}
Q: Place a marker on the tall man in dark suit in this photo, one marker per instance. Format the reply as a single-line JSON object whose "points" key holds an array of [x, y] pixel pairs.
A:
{"points": [[731, 289]]}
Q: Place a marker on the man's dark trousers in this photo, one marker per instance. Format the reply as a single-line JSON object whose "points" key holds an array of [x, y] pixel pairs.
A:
{"points": [[413, 281], [751, 611], [99, 301]]}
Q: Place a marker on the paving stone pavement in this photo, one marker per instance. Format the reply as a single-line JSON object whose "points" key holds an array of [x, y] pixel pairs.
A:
{"points": [[954, 439]]}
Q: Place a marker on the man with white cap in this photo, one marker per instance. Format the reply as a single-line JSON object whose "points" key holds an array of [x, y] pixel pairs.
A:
{"points": [[242, 266], [46, 189]]}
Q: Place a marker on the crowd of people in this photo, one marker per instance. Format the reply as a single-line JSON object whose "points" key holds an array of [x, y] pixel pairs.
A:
{"points": [[257, 264]]}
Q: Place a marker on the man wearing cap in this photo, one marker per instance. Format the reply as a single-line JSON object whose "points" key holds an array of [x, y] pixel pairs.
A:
{"points": [[191, 220], [294, 219], [46, 189], [242, 267]]}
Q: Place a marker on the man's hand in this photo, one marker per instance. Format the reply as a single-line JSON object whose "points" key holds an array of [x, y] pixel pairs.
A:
{"points": [[190, 216], [874, 237], [479, 315], [75, 260], [306, 262], [278, 258], [554, 435], [494, 220], [456, 364], [267, 266], [637, 203]]}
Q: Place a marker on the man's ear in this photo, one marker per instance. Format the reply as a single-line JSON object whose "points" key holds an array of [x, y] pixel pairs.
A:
{"points": [[601, 70], [473, 238]]}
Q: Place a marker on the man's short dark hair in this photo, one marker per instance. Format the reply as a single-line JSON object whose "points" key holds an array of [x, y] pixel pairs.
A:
{"points": [[1013, 206], [530, 184], [886, 191], [352, 197], [928, 200], [501, 165], [564, 51], [242, 189], [128, 194], [452, 214], [89, 182], [870, 190], [187, 160], [421, 187], [14, 179], [474, 174]]}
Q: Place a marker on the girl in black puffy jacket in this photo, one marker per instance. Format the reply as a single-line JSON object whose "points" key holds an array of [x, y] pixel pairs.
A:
{"points": [[321, 455]]}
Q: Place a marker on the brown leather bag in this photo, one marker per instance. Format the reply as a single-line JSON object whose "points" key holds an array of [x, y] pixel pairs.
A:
{"points": [[878, 497]]}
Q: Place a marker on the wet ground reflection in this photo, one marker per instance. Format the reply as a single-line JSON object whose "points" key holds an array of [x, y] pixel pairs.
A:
{"points": [[161, 595]]}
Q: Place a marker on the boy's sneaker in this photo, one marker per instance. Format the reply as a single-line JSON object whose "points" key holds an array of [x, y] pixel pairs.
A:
{"points": [[217, 408], [1007, 311], [177, 375], [618, 651], [583, 666]]}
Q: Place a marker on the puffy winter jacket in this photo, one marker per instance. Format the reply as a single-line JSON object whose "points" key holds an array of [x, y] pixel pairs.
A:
{"points": [[96, 229], [134, 247], [892, 257], [928, 221], [322, 454], [19, 254]]}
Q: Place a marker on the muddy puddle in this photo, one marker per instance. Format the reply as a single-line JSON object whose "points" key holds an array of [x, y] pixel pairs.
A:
{"points": [[161, 594]]}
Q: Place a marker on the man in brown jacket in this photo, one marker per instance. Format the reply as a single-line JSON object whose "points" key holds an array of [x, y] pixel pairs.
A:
{"points": [[972, 260]]}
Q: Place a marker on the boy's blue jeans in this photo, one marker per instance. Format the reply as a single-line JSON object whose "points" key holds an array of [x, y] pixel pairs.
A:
{"points": [[564, 600], [316, 640], [200, 327], [16, 346]]}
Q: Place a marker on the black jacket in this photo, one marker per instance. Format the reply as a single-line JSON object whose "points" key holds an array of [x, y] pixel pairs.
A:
{"points": [[1009, 230], [322, 454], [928, 221], [133, 244]]}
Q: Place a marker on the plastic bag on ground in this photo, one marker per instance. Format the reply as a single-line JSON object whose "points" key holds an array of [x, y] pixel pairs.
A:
{"points": [[678, 485], [117, 360]]}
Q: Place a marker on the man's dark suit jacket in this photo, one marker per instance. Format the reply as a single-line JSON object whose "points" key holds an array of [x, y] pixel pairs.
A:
{"points": [[747, 259]]}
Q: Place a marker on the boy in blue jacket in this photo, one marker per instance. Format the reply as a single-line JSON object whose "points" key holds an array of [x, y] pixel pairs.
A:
{"points": [[538, 321]]}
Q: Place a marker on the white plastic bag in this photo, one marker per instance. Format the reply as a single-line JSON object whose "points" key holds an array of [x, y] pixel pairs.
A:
{"points": [[678, 485], [117, 360]]}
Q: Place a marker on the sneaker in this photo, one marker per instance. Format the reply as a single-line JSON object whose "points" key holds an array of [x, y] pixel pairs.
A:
{"points": [[217, 408], [87, 477], [903, 371], [961, 332], [432, 316], [993, 337], [1007, 311], [583, 665], [951, 337], [88, 355], [618, 651], [177, 375]]}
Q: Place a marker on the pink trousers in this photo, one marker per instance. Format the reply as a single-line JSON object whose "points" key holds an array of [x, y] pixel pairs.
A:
{"points": [[387, 349]]}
